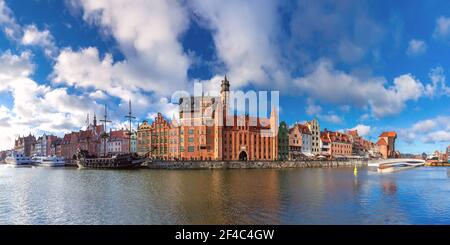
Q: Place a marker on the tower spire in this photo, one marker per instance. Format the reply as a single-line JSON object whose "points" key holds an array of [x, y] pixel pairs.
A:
{"points": [[225, 86]]}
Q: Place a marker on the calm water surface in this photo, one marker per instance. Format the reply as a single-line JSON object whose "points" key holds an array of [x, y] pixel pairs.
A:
{"points": [[292, 196]]}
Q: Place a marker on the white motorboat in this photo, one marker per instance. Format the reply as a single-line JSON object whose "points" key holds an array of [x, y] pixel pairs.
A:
{"points": [[17, 158], [51, 161]]}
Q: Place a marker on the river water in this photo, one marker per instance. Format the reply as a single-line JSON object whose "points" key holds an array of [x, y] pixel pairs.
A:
{"points": [[290, 196]]}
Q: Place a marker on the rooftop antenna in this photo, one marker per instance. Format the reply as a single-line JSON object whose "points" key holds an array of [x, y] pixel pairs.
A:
{"points": [[105, 134], [129, 117]]}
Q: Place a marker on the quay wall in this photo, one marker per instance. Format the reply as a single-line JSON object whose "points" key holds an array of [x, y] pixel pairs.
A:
{"points": [[253, 164]]}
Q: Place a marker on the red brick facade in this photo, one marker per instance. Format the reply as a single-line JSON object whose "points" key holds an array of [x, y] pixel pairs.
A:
{"points": [[206, 132]]}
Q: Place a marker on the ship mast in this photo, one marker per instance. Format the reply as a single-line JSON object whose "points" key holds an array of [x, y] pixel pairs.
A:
{"points": [[130, 117], [105, 134]]}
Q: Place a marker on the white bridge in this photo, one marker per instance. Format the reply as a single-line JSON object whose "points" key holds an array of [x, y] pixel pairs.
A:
{"points": [[396, 164]]}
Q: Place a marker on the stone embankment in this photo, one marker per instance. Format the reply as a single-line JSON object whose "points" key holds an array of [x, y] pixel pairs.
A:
{"points": [[253, 164]]}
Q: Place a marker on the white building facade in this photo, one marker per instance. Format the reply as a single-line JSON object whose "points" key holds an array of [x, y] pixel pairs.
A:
{"points": [[314, 128]]}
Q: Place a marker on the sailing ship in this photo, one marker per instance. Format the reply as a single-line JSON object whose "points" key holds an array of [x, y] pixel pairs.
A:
{"points": [[108, 161]]}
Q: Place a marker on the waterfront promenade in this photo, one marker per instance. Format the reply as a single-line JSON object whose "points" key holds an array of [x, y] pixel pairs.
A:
{"points": [[254, 164]]}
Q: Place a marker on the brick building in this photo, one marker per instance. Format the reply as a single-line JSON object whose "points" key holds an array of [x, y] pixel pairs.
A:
{"points": [[386, 144], [337, 144], [205, 131], [25, 144], [89, 140], [249, 138], [160, 138]]}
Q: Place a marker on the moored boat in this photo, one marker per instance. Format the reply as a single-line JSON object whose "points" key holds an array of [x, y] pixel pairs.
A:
{"points": [[117, 161], [50, 161], [120, 161], [17, 158]]}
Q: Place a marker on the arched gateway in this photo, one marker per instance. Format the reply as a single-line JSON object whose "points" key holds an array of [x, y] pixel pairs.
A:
{"points": [[243, 156]]}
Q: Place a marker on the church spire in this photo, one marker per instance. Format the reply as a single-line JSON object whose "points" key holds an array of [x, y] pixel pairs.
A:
{"points": [[225, 86], [95, 120]]}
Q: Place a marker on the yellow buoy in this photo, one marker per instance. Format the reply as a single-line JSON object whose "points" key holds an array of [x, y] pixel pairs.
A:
{"points": [[355, 171]]}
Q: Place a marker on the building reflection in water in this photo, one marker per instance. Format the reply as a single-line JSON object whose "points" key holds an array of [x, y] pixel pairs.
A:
{"points": [[223, 197], [389, 187]]}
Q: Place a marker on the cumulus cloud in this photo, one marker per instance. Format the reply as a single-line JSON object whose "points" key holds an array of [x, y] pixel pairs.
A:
{"points": [[29, 35], [328, 84], [36, 108], [249, 52], [416, 47], [424, 126], [363, 130], [433, 130], [32, 36], [438, 136], [147, 33]]}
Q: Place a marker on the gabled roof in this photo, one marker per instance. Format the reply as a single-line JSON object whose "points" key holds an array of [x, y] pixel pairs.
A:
{"points": [[303, 129], [119, 134]]}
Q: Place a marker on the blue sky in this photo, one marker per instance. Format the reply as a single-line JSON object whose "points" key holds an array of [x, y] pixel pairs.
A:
{"points": [[370, 65]]}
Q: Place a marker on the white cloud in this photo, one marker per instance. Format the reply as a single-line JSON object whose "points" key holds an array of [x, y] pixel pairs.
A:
{"points": [[86, 70], [8, 22], [147, 33], [32, 36], [416, 47], [245, 36], [438, 86], [312, 109], [434, 130], [98, 94], [36, 108], [442, 29], [325, 83], [424, 126], [363, 130], [28, 35], [330, 117], [438, 136]]}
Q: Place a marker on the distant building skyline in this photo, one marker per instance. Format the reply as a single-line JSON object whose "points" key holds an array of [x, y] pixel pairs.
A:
{"points": [[356, 64]]}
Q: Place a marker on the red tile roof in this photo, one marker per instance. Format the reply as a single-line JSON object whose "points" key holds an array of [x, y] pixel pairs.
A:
{"points": [[303, 128], [389, 134], [119, 134]]}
